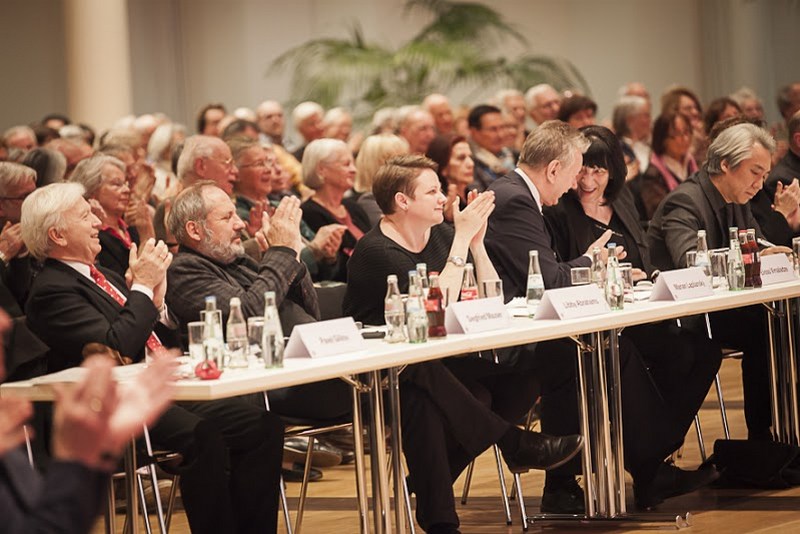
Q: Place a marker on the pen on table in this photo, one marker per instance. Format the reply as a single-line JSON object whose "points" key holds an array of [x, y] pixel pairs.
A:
{"points": [[764, 243]]}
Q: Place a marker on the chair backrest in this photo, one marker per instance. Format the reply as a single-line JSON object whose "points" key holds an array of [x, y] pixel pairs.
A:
{"points": [[331, 297]]}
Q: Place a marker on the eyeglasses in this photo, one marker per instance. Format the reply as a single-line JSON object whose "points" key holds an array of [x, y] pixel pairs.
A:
{"points": [[227, 163], [594, 170], [117, 184]]}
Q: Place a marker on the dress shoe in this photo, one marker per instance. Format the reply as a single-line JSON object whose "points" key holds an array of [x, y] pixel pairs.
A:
{"points": [[670, 481], [295, 474], [540, 451], [348, 455], [566, 498], [294, 450]]}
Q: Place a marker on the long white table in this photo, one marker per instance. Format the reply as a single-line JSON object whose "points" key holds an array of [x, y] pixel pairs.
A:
{"points": [[605, 496]]}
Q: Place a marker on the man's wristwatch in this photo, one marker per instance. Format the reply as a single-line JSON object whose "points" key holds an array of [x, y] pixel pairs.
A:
{"points": [[458, 261]]}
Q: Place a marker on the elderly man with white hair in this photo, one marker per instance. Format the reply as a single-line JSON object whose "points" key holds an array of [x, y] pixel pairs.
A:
{"points": [[543, 103], [439, 107], [307, 118], [415, 125], [20, 139], [231, 448], [633, 125]]}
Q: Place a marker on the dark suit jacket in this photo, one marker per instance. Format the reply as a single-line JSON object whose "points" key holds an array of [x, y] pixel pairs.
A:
{"points": [[67, 311], [787, 169], [516, 227], [694, 205], [67, 499], [573, 236]]}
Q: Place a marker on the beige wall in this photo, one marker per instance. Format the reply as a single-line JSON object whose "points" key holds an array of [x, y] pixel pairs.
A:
{"points": [[185, 53]]}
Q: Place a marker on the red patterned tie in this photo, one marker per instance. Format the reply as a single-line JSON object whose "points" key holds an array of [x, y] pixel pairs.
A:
{"points": [[153, 342]]}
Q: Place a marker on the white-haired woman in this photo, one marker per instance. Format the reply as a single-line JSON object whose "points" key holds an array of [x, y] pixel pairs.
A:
{"points": [[329, 170], [103, 178]]}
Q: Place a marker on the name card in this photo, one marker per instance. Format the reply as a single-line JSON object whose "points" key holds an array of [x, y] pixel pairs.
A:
{"points": [[324, 338], [682, 284], [572, 303], [479, 315], [776, 268]]}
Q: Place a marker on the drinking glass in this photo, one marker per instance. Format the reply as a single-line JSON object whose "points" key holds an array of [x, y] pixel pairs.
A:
{"points": [[196, 331], [626, 271], [719, 268], [580, 276], [796, 251], [255, 329], [492, 288], [691, 258]]}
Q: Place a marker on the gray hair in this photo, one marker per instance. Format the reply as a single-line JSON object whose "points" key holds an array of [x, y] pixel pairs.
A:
{"points": [[160, 141], [501, 96], [304, 110], [189, 205], [195, 147], [536, 90], [12, 175], [336, 115], [552, 140], [44, 209], [735, 144], [27, 130], [89, 172], [744, 94], [317, 152], [624, 108]]}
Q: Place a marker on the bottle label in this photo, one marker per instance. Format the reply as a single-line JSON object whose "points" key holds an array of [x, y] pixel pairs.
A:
{"points": [[469, 293]]}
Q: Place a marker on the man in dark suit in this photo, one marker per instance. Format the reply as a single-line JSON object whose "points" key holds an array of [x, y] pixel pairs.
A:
{"points": [[231, 448], [714, 200], [95, 420], [548, 167]]}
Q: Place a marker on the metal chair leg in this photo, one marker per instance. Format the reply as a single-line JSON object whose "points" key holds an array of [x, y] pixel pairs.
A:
{"points": [[304, 487], [173, 493], [285, 505], [145, 514], [111, 511], [723, 413], [407, 498], [151, 469], [467, 482], [700, 443], [521, 502], [502, 477]]}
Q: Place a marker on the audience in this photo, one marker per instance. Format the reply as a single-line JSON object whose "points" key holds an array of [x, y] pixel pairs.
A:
{"points": [[456, 170], [492, 159], [307, 118], [578, 111], [374, 152], [543, 103], [439, 108]]}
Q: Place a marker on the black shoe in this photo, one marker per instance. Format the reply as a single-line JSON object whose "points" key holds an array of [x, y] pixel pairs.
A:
{"points": [[443, 528], [294, 450], [348, 455], [563, 499], [670, 481], [295, 474], [540, 451]]}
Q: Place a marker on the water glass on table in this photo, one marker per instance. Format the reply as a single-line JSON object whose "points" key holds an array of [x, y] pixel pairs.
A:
{"points": [[255, 330], [492, 288], [719, 268], [196, 330], [580, 276], [626, 271]]}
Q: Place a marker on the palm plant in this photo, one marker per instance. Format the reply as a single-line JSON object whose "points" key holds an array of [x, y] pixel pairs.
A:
{"points": [[447, 53]]}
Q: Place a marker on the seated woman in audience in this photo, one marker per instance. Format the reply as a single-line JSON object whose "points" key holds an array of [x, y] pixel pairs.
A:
{"points": [[456, 171], [49, 165], [257, 169], [718, 110], [682, 363], [670, 163], [684, 101], [408, 191], [123, 222], [329, 170], [374, 152]]}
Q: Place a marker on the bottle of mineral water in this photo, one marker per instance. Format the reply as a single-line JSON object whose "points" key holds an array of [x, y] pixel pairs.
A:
{"points": [[236, 334], [736, 271], [213, 343], [272, 343], [701, 258], [535, 288], [615, 287], [416, 316], [394, 313]]}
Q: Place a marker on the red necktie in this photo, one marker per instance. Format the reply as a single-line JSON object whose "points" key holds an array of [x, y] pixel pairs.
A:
{"points": [[153, 342]]}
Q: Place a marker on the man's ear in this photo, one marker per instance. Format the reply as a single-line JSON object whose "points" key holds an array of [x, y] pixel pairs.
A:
{"points": [[194, 230], [56, 236], [724, 166], [552, 170]]}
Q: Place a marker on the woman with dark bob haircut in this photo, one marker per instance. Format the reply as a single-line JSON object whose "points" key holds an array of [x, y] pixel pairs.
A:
{"points": [[682, 363]]}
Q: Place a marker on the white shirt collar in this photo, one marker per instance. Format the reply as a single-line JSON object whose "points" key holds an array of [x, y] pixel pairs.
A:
{"points": [[80, 267], [535, 192]]}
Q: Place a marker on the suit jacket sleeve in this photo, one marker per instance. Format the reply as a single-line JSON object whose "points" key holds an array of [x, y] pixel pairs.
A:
{"points": [[67, 499], [680, 225]]}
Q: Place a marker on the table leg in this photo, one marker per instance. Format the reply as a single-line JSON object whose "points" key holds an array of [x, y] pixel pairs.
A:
{"points": [[361, 470], [600, 412], [615, 394], [396, 447], [583, 392], [794, 417], [774, 375], [380, 484], [130, 488]]}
